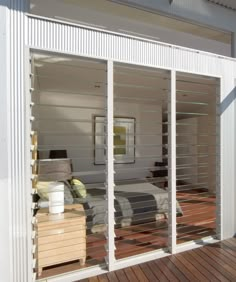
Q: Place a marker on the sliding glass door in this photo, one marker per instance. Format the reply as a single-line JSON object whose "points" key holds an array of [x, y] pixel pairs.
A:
{"points": [[69, 163], [125, 161], [140, 159], [197, 154]]}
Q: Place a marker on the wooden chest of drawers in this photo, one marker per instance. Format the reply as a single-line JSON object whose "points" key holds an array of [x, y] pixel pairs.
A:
{"points": [[60, 237]]}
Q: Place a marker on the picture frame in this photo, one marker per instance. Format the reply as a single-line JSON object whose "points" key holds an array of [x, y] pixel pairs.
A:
{"points": [[124, 140]]}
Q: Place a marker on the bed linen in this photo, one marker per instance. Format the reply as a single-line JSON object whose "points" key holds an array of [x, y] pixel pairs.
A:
{"points": [[134, 203]]}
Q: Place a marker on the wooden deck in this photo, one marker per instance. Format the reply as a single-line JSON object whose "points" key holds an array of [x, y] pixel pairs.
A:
{"points": [[214, 262]]}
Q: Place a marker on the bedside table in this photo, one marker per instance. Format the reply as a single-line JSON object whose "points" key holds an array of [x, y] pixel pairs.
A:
{"points": [[60, 237]]}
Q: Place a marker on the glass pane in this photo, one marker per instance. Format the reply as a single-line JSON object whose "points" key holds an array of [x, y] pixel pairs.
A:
{"points": [[196, 155], [140, 160], [69, 106]]}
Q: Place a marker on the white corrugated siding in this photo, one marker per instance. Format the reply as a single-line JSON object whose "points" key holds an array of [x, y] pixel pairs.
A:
{"points": [[68, 38], [19, 200], [59, 37]]}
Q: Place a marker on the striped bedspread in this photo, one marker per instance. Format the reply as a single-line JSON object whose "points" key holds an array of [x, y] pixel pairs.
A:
{"points": [[134, 203]]}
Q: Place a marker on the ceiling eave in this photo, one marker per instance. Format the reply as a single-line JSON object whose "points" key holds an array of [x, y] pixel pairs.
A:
{"points": [[229, 4]]}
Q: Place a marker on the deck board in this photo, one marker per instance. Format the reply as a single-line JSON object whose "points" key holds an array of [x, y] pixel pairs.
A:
{"points": [[213, 262], [206, 269]]}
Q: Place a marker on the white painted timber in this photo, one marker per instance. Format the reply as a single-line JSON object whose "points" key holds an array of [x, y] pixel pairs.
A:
{"points": [[110, 168], [172, 163]]}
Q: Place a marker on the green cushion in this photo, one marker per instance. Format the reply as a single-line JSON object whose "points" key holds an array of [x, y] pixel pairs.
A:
{"points": [[42, 189], [79, 188]]}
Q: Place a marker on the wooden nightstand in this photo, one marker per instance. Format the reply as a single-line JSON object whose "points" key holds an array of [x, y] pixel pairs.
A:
{"points": [[60, 237]]}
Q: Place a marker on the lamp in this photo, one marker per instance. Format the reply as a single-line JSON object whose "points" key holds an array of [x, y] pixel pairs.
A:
{"points": [[57, 171]]}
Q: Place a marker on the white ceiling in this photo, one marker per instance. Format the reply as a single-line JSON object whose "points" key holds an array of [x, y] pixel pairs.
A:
{"points": [[230, 4]]}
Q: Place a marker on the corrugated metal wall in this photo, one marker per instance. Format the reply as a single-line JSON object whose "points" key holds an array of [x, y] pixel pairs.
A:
{"points": [[61, 37], [4, 175], [18, 167], [71, 39]]}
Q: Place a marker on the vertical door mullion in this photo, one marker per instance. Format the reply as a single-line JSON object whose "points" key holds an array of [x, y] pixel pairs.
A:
{"points": [[172, 163], [110, 169]]}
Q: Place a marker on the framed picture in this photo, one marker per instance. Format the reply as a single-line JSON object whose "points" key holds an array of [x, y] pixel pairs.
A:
{"points": [[124, 140]]}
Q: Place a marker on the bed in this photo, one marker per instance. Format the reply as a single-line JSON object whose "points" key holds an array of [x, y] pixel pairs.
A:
{"points": [[134, 203]]}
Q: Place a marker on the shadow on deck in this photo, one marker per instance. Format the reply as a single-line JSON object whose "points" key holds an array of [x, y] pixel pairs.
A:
{"points": [[213, 262]]}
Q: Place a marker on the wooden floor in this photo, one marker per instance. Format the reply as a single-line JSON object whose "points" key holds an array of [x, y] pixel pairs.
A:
{"points": [[214, 262], [198, 221]]}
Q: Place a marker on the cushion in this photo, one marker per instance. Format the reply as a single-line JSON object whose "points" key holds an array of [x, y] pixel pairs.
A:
{"points": [[42, 189], [78, 188]]}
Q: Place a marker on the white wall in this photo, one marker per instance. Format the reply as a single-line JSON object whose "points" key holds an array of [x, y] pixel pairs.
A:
{"points": [[200, 125], [184, 137], [207, 125], [80, 135]]}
